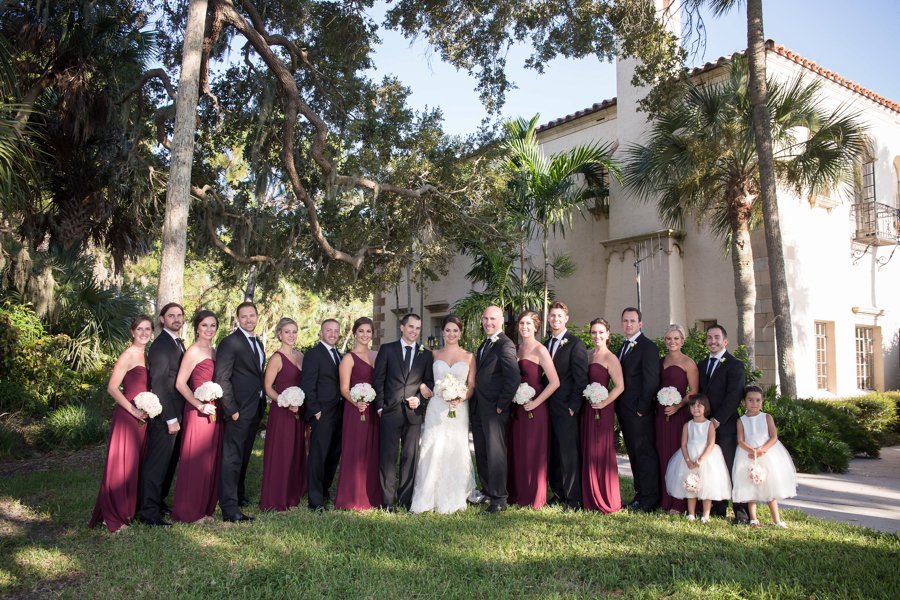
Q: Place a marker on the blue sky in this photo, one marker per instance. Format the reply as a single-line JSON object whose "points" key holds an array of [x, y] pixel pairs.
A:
{"points": [[859, 40]]}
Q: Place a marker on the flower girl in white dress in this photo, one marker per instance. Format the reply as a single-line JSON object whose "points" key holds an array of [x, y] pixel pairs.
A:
{"points": [[763, 470], [698, 470], [445, 477]]}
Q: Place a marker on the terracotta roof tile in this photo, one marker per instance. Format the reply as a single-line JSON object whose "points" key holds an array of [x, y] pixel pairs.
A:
{"points": [[771, 46]]}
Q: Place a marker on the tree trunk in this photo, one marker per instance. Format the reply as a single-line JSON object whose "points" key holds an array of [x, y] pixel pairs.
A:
{"points": [[756, 51], [250, 290], [744, 288], [543, 331], [178, 194]]}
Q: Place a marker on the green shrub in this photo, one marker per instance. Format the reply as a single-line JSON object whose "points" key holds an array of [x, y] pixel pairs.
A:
{"points": [[72, 427], [14, 397], [808, 434], [843, 419], [12, 442], [875, 412]]}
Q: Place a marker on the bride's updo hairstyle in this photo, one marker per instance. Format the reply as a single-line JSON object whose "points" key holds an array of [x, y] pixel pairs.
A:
{"points": [[363, 321], [451, 318], [535, 318], [282, 323]]}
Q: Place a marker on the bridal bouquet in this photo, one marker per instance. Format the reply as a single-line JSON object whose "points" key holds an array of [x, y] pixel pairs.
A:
{"points": [[756, 472], [596, 393], [692, 483], [524, 395], [149, 403], [292, 396], [668, 396], [362, 392], [209, 392], [451, 388]]}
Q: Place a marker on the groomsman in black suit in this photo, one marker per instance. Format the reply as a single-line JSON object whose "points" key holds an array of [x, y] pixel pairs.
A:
{"points": [[639, 357], [570, 359], [497, 378], [158, 468], [239, 370], [324, 413], [403, 380], [722, 379]]}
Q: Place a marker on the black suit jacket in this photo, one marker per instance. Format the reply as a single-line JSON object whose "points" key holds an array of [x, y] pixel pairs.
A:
{"points": [[164, 358], [392, 387], [570, 361], [724, 389], [497, 375], [239, 374], [640, 373], [320, 381]]}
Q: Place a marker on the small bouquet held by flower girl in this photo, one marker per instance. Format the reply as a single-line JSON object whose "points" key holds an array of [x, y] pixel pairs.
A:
{"points": [[149, 403], [524, 395], [451, 388], [756, 472], [692, 483], [668, 396], [292, 396], [209, 391], [596, 393], [362, 392]]}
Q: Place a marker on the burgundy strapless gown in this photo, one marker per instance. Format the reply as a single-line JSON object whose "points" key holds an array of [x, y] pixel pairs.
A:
{"points": [[197, 485], [358, 483], [118, 497], [668, 433], [284, 453], [599, 471], [528, 445]]}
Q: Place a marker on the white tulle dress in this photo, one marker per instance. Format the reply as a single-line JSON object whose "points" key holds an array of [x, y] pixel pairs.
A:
{"points": [[714, 481], [781, 477], [444, 476]]}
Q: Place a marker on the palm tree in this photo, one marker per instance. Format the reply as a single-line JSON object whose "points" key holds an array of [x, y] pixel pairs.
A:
{"points": [[701, 160], [548, 189], [781, 304]]}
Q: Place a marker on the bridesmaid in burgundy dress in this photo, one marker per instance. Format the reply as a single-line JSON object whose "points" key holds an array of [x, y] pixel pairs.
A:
{"points": [[197, 485], [284, 453], [599, 471], [358, 484], [118, 497], [529, 429], [680, 372]]}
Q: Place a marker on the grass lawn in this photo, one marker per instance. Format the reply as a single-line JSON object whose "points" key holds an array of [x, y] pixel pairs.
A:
{"points": [[47, 551]]}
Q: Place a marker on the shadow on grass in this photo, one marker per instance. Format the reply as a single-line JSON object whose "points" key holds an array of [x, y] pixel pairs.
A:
{"points": [[519, 553]]}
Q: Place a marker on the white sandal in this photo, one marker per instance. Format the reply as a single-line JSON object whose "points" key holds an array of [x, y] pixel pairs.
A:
{"points": [[691, 518], [781, 524]]}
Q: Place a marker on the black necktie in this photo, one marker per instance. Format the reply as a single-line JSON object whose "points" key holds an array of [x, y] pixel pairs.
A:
{"points": [[551, 345], [180, 343], [336, 356], [625, 348], [710, 367], [255, 349], [407, 353]]}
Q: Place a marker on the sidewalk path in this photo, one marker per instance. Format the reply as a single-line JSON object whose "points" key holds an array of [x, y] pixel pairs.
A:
{"points": [[868, 494]]}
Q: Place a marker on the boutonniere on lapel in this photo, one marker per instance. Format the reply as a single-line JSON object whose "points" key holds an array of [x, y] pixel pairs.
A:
{"points": [[563, 342], [494, 338], [420, 350], [721, 360], [631, 345]]}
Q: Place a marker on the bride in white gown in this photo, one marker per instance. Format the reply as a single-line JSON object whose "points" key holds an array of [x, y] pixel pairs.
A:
{"points": [[445, 476]]}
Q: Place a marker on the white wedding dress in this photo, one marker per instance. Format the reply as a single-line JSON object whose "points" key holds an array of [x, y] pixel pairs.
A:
{"points": [[444, 476]]}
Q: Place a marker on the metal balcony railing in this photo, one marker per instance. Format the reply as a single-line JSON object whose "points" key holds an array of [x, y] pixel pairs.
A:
{"points": [[875, 224]]}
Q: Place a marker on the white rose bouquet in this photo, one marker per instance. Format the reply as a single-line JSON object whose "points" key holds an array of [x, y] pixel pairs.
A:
{"points": [[668, 396], [596, 393], [524, 395], [292, 396], [209, 391], [362, 392], [451, 388], [149, 403]]}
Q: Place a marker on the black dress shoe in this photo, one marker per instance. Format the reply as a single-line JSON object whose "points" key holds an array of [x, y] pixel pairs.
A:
{"points": [[237, 517], [740, 521], [317, 508], [495, 507], [165, 511], [634, 506], [158, 522], [573, 507], [390, 508]]}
